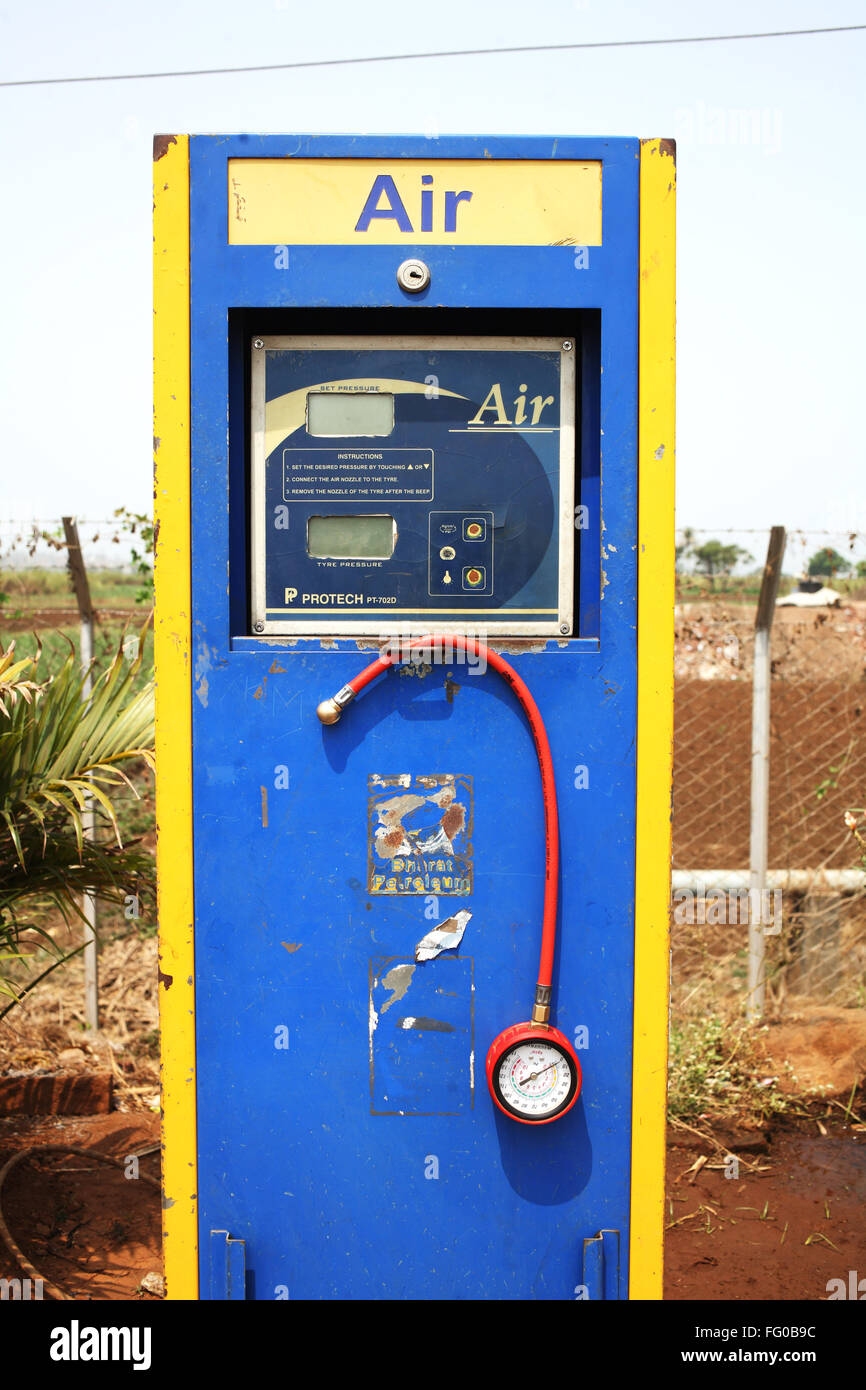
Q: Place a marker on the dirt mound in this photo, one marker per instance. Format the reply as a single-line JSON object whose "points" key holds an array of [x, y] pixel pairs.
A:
{"points": [[714, 641], [821, 1050]]}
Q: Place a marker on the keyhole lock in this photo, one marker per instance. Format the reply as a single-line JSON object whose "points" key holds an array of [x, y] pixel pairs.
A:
{"points": [[413, 276]]}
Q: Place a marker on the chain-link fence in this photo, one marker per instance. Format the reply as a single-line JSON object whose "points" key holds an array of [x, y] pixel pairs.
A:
{"points": [[816, 911], [814, 917], [35, 588]]}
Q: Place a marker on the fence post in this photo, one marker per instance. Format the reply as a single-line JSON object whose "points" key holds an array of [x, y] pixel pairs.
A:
{"points": [[760, 792], [78, 576]]}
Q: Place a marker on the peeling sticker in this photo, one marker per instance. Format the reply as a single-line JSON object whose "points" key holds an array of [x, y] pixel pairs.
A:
{"points": [[419, 841], [399, 979], [443, 938]]}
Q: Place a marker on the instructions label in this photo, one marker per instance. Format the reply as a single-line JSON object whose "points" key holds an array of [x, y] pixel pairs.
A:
{"points": [[345, 474]]}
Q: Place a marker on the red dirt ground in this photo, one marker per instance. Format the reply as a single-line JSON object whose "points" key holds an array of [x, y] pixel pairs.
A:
{"points": [[90, 1230], [787, 1224], [791, 1222]]}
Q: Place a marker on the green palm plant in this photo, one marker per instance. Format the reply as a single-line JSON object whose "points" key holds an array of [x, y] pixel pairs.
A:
{"points": [[62, 748]]}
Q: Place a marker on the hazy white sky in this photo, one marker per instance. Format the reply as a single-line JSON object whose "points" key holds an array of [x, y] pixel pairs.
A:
{"points": [[771, 230]]}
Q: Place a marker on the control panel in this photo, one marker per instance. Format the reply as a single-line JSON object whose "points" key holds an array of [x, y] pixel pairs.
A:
{"points": [[408, 481]]}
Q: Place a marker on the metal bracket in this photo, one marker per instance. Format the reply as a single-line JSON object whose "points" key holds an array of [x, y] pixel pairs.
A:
{"points": [[601, 1275], [227, 1268]]}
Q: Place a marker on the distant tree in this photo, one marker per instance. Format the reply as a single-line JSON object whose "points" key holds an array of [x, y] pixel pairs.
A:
{"points": [[713, 558], [861, 569], [827, 563], [686, 546]]}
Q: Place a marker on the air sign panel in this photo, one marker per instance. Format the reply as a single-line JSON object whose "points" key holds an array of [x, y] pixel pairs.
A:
{"points": [[428, 202]]}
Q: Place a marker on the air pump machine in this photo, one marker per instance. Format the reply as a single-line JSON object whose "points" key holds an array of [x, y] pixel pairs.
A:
{"points": [[414, 468]]}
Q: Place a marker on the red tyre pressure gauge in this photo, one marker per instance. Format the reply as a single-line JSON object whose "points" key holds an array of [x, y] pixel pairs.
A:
{"points": [[533, 1073]]}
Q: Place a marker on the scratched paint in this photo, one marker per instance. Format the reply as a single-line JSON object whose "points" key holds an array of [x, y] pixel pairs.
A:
{"points": [[399, 979], [202, 668], [421, 1062], [425, 1025]]}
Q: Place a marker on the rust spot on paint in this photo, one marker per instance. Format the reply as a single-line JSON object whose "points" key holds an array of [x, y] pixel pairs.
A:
{"points": [[394, 839], [161, 145], [668, 147], [450, 688], [167, 980], [264, 792], [275, 668], [454, 820], [292, 946]]}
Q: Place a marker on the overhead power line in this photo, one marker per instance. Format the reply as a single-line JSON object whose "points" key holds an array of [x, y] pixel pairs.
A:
{"points": [[416, 57]]}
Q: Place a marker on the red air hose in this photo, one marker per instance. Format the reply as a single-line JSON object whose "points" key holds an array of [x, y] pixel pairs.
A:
{"points": [[330, 710]]}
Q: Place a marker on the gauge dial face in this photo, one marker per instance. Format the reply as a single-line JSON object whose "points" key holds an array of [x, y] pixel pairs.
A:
{"points": [[534, 1080]]}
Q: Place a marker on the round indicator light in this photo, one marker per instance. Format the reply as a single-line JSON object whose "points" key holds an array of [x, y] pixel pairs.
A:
{"points": [[474, 577], [447, 552], [474, 530]]}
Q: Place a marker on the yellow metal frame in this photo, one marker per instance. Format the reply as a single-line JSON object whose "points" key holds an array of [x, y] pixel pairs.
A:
{"points": [[655, 660], [174, 710]]}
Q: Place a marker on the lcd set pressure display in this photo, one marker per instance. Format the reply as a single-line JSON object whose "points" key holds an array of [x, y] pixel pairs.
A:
{"points": [[349, 414], [351, 537]]}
